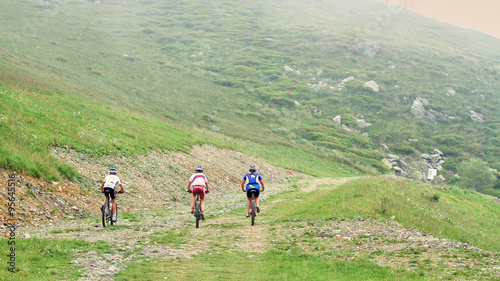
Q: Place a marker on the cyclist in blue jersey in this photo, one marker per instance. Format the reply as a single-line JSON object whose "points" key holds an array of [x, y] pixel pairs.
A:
{"points": [[253, 179]]}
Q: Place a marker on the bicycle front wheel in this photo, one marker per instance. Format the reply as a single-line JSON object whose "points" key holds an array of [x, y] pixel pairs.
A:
{"points": [[104, 211], [252, 210]]}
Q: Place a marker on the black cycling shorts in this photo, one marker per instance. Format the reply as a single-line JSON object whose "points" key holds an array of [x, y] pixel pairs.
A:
{"points": [[111, 191]]}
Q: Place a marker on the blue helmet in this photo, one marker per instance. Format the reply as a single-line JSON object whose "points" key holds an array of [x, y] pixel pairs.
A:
{"points": [[112, 171]]}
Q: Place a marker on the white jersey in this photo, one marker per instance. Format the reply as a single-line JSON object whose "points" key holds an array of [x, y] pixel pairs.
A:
{"points": [[198, 179], [111, 181]]}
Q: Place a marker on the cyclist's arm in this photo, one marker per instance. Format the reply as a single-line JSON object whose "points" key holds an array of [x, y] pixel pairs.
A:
{"points": [[102, 187], [189, 186], [206, 186], [262, 184], [121, 186], [243, 184]]}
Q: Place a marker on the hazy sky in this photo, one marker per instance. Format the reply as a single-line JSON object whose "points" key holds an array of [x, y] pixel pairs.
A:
{"points": [[480, 15]]}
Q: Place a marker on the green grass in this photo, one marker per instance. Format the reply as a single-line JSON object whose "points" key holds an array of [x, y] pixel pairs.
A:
{"points": [[272, 265], [174, 237], [45, 259], [31, 127], [461, 215]]}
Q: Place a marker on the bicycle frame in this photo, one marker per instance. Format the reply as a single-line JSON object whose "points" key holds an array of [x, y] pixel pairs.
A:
{"points": [[107, 215]]}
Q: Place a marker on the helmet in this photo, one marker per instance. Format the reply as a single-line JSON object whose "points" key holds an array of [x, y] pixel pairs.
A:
{"points": [[252, 168], [112, 171], [198, 168]]}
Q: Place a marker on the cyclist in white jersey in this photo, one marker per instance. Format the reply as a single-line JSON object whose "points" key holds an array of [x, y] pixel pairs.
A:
{"points": [[198, 182], [108, 184]]}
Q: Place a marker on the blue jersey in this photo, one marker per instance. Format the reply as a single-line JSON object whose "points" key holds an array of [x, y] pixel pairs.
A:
{"points": [[252, 180]]}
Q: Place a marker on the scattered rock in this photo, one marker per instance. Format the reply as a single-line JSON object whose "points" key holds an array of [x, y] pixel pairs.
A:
{"points": [[372, 85], [476, 117]]}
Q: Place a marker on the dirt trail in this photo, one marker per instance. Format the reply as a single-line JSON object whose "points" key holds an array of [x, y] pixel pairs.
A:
{"points": [[137, 236]]}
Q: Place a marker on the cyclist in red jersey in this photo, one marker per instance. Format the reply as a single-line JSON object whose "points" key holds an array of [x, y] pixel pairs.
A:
{"points": [[198, 182]]}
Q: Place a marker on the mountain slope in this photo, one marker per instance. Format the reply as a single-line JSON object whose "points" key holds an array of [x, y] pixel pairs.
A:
{"points": [[244, 68]]}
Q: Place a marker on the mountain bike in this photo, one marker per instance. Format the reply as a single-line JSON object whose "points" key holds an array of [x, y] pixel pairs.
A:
{"points": [[107, 210], [253, 212], [197, 209]]}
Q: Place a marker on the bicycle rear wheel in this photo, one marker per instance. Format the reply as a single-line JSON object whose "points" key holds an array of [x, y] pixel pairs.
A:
{"points": [[197, 210]]}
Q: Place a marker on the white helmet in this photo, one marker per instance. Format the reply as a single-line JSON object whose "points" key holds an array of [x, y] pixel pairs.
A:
{"points": [[252, 168], [198, 168]]}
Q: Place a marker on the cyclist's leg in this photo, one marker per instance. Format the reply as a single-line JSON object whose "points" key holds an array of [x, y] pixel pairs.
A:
{"points": [[114, 206], [249, 200], [192, 200]]}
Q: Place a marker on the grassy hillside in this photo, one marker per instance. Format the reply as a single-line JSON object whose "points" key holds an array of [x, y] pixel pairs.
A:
{"points": [[34, 122], [461, 215], [241, 67]]}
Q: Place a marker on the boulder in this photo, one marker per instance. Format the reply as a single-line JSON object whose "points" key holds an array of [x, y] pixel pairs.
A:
{"points": [[417, 109], [346, 128], [450, 92], [348, 79], [476, 117], [337, 120], [437, 151], [392, 157], [362, 123], [368, 49], [439, 179], [387, 163], [287, 68], [371, 85]]}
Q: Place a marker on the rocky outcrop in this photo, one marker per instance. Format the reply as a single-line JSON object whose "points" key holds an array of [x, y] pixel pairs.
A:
{"points": [[435, 159], [367, 49], [419, 111], [417, 168]]}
